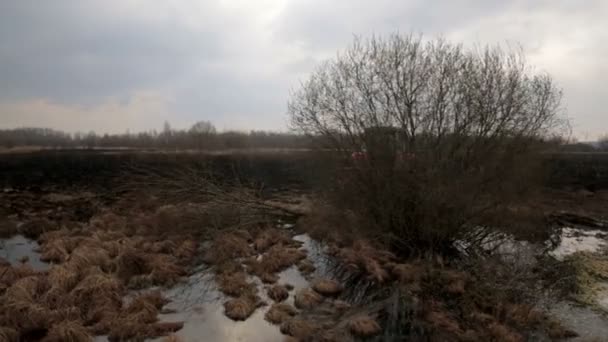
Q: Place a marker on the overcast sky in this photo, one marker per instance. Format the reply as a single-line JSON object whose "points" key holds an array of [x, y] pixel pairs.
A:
{"points": [[114, 65]]}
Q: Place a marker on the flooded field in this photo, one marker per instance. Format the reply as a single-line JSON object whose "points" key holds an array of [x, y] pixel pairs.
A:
{"points": [[115, 266]]}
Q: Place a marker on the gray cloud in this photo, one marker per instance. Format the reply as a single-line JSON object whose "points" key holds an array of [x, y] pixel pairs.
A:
{"points": [[138, 62]]}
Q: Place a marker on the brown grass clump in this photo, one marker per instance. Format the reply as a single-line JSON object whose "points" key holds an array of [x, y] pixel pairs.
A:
{"points": [[406, 273], [186, 250], [279, 313], [53, 251], [131, 263], [307, 298], [164, 328], [239, 309], [67, 331], [227, 246], [234, 284], [9, 334], [155, 298], [364, 326], [363, 257], [144, 308], [138, 321], [278, 258], [108, 221], [305, 267], [63, 278], [443, 322], [456, 282], [299, 328], [327, 287], [165, 269], [270, 237], [502, 333], [269, 278], [84, 257], [278, 293], [128, 330]]}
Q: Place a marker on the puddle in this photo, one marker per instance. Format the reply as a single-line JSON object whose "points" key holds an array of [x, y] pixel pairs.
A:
{"points": [[579, 240], [589, 324], [19, 247], [199, 304]]}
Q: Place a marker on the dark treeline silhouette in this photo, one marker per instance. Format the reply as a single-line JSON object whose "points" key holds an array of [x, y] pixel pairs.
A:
{"points": [[201, 136]]}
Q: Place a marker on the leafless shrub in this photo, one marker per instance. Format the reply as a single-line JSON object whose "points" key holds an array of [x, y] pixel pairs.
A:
{"points": [[440, 134]]}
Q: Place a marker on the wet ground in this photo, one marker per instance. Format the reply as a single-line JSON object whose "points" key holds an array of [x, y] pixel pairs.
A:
{"points": [[18, 249], [199, 304]]}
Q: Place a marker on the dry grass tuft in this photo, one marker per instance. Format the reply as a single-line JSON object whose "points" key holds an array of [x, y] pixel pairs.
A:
{"points": [[164, 328], [327, 287], [279, 313], [307, 298], [502, 333], [67, 331], [142, 309], [84, 257], [234, 284], [443, 322], [226, 247], [54, 251], [270, 237], [364, 326], [278, 293], [305, 267], [278, 258], [187, 250], [131, 263], [165, 269], [406, 273], [9, 334], [239, 309], [363, 257], [298, 328], [269, 278]]}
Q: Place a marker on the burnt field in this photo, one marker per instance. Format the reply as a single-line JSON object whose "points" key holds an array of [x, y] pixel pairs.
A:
{"points": [[110, 168]]}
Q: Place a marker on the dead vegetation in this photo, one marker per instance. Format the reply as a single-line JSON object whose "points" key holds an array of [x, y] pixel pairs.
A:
{"points": [[307, 298], [82, 294], [327, 287], [364, 326], [301, 329], [279, 313], [278, 293], [239, 309]]}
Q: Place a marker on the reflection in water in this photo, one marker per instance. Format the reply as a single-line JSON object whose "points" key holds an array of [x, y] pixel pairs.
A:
{"points": [[578, 240], [17, 248], [199, 304]]}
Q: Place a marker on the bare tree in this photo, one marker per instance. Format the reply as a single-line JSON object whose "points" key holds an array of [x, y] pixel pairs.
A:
{"points": [[202, 131], [444, 129]]}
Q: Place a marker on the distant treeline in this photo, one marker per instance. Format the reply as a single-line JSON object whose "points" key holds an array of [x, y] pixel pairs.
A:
{"points": [[201, 136]]}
